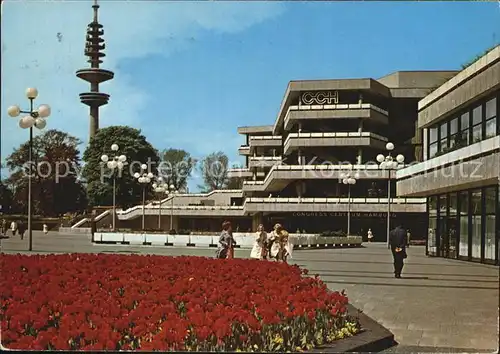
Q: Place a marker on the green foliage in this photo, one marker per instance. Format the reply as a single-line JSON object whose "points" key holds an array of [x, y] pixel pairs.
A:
{"points": [[176, 167], [5, 198], [135, 147], [55, 167], [479, 56], [213, 169]]}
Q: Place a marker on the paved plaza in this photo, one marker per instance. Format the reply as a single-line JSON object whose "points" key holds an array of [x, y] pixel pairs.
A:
{"points": [[438, 303]]}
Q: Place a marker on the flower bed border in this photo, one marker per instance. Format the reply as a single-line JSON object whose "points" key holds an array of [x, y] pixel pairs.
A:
{"points": [[373, 337]]}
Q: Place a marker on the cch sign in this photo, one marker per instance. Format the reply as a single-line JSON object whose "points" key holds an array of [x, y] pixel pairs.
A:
{"points": [[320, 97]]}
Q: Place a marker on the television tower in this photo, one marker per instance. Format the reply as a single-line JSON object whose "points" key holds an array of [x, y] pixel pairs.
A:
{"points": [[94, 75]]}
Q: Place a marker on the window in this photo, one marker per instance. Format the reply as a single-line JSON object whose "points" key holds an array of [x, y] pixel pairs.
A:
{"points": [[454, 135], [443, 205], [464, 121], [490, 195], [477, 126], [453, 205], [433, 149], [477, 115], [463, 248], [454, 126], [443, 130], [474, 125], [464, 127], [491, 118], [433, 135], [491, 108], [464, 203], [476, 223], [432, 206], [491, 128]]}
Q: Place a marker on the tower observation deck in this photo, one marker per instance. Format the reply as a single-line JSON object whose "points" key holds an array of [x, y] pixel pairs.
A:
{"points": [[94, 75]]}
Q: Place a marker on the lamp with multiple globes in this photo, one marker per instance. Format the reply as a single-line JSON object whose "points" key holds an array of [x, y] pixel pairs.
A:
{"points": [[349, 179], [389, 163], [162, 188], [144, 178], [33, 118], [115, 164]]}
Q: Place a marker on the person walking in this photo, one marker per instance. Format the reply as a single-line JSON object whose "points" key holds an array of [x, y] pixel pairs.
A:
{"points": [[397, 241], [226, 242], [408, 236], [370, 235], [259, 250], [21, 228], [3, 228], [13, 227]]}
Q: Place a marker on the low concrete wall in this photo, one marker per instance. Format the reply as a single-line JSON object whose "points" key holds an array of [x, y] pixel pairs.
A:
{"points": [[243, 240], [76, 230]]}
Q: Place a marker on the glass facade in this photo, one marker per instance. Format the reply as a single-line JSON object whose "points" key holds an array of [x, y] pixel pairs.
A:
{"points": [[477, 122], [465, 225]]}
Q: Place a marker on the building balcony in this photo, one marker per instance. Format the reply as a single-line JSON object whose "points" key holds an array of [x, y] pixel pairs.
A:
{"points": [[244, 173], [296, 141], [265, 141], [281, 175], [244, 150], [295, 114], [264, 161], [257, 129], [306, 205], [473, 166]]}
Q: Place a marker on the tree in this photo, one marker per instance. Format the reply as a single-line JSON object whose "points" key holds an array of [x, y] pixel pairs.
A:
{"points": [[5, 198], [235, 182], [213, 169], [55, 167], [99, 178], [176, 167]]}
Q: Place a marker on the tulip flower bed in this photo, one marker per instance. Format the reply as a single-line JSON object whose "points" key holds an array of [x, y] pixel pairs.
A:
{"points": [[118, 302]]}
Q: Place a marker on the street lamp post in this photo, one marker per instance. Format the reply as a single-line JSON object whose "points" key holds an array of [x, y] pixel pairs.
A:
{"points": [[114, 163], [389, 163], [163, 188], [173, 191], [35, 118], [350, 180], [144, 178]]}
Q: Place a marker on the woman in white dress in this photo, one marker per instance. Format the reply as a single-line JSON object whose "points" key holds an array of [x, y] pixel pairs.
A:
{"points": [[370, 235], [259, 250]]}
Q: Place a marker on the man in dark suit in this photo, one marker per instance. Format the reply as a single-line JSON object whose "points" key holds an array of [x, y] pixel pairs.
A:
{"points": [[397, 240]]}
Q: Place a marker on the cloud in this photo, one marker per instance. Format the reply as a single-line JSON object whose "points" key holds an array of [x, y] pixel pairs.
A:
{"points": [[47, 54]]}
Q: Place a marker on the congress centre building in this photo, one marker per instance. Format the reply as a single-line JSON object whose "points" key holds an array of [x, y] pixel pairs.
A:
{"points": [[460, 173], [317, 163], [420, 148]]}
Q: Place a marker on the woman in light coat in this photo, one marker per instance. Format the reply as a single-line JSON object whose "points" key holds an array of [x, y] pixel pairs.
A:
{"points": [[259, 250], [281, 247]]}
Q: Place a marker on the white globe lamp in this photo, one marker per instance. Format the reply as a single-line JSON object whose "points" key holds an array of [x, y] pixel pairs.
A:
{"points": [[31, 93], [14, 111], [44, 110]]}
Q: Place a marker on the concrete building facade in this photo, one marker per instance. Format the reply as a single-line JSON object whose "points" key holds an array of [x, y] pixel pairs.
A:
{"points": [[295, 167], [460, 126]]}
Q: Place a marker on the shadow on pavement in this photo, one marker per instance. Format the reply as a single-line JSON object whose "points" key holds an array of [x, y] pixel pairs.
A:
{"points": [[398, 284]]}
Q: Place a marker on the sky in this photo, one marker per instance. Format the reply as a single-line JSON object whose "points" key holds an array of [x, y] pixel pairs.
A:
{"points": [[189, 73]]}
